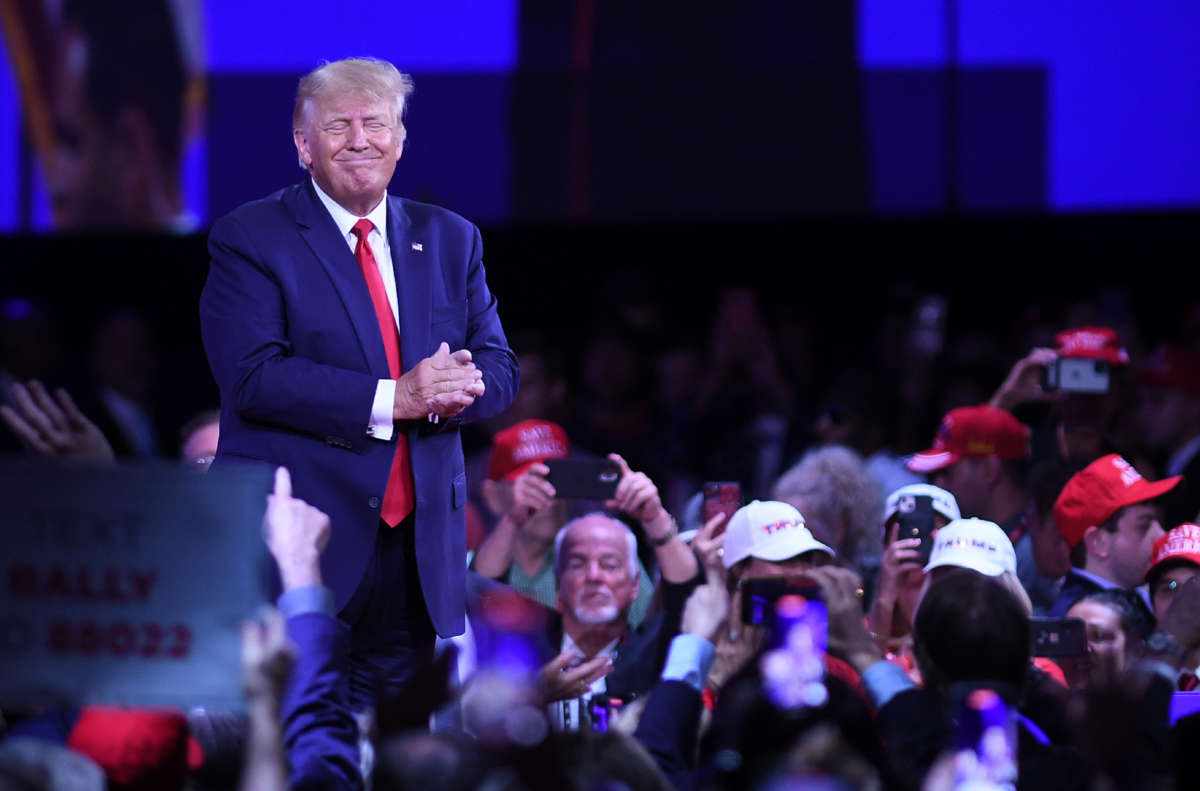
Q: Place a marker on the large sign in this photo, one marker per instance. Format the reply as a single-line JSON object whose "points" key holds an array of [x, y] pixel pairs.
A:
{"points": [[128, 585]]}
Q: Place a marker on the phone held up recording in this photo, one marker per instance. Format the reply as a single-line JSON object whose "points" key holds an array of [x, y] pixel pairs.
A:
{"points": [[793, 664], [985, 757], [583, 479], [721, 497], [915, 517]]}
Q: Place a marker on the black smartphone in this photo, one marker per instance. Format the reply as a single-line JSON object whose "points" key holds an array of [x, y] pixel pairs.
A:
{"points": [[721, 497], [583, 479], [915, 515], [759, 595], [1077, 375], [1053, 637]]}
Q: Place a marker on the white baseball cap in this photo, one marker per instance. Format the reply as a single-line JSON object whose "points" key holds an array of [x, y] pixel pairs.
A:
{"points": [[975, 544], [943, 502], [769, 530]]}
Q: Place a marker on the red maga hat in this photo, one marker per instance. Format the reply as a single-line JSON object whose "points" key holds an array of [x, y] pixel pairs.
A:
{"points": [[138, 748], [973, 431], [1101, 489], [519, 447], [1180, 543], [1091, 343]]}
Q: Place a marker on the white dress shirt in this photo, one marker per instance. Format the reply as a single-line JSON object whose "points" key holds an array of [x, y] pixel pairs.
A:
{"points": [[381, 425], [567, 715]]}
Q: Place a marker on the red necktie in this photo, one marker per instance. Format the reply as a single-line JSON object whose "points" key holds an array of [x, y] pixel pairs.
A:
{"points": [[1187, 681], [398, 499]]}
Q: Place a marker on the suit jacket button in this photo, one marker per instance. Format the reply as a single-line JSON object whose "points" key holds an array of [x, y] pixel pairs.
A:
{"points": [[373, 502]]}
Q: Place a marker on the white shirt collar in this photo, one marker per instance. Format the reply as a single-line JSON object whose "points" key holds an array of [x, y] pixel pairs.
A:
{"points": [[345, 220], [608, 650]]}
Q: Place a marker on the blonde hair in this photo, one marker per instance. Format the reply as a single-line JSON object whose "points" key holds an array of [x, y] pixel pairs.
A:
{"points": [[834, 484], [375, 79]]}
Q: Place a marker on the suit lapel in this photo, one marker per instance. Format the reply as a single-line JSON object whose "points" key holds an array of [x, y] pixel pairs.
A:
{"points": [[322, 236], [413, 285]]}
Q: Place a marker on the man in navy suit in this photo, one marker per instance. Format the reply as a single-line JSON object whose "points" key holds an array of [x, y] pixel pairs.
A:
{"points": [[329, 318]]}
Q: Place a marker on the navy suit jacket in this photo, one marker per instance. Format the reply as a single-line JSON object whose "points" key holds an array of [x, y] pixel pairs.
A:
{"points": [[294, 345]]}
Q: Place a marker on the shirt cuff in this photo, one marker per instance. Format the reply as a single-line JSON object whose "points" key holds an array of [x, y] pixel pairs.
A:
{"points": [[689, 659], [885, 680], [310, 598], [381, 425]]}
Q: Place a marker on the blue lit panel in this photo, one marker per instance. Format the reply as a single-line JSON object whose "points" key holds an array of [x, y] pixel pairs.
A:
{"points": [[291, 35], [10, 136], [903, 33], [1124, 77]]}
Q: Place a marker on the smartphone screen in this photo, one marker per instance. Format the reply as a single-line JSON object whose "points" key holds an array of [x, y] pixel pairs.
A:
{"points": [[721, 497], [793, 666], [986, 743]]}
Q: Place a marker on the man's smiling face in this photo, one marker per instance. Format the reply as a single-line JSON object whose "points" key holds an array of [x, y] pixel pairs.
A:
{"points": [[351, 145]]}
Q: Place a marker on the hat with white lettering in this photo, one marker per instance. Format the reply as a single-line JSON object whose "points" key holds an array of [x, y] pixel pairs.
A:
{"points": [[1101, 489], [519, 447], [1180, 546], [768, 530], [975, 544]]}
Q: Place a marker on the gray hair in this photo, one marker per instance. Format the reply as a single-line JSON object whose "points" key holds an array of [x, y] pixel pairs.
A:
{"points": [[834, 484], [375, 79], [630, 541]]}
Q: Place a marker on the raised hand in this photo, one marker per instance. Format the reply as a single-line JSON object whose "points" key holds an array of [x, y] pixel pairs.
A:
{"points": [[637, 496], [296, 534], [707, 608], [848, 636], [54, 428], [562, 679], [709, 541], [531, 493], [267, 658], [1024, 382]]}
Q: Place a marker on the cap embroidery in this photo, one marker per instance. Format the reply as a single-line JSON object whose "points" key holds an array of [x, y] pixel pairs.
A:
{"points": [[1129, 476], [774, 527]]}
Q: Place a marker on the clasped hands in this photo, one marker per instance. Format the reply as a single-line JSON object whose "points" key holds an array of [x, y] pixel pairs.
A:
{"points": [[442, 384]]}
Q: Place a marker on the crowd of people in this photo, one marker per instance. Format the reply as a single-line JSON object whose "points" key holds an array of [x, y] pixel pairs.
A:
{"points": [[1007, 568], [737, 582]]}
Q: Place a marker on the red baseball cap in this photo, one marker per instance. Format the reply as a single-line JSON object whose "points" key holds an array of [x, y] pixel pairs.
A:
{"points": [[1172, 366], [1180, 543], [973, 431], [518, 447], [1091, 343], [137, 748], [1098, 491]]}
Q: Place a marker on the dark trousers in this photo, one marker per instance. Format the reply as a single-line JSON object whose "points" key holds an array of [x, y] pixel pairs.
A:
{"points": [[391, 635]]}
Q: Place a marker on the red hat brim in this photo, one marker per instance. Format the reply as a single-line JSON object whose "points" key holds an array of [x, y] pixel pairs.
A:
{"points": [[931, 460]]}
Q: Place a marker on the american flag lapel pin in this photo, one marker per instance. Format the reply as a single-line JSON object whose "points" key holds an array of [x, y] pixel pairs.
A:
{"points": [[420, 248]]}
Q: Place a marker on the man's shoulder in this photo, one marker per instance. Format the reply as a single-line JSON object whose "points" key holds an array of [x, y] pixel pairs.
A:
{"points": [[273, 206], [430, 216], [276, 212]]}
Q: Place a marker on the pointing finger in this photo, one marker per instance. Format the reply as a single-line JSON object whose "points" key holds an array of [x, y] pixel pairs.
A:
{"points": [[283, 482]]}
